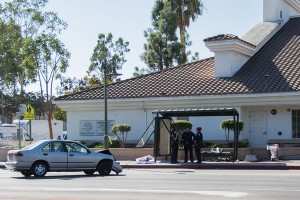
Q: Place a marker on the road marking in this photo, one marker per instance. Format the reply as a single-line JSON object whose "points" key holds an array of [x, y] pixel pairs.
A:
{"points": [[232, 194]]}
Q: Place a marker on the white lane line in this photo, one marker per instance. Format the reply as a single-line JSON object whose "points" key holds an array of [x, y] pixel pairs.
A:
{"points": [[233, 194]]}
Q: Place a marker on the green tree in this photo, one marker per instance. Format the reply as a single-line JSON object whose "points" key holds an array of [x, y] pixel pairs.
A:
{"points": [[59, 114], [108, 56], [228, 125], [140, 71], [51, 58], [121, 131], [28, 17], [162, 49], [10, 43], [185, 10], [69, 85]]}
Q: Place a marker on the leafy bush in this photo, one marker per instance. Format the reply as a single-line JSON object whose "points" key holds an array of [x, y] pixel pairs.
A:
{"points": [[115, 144], [181, 125], [228, 125], [94, 145], [121, 131]]}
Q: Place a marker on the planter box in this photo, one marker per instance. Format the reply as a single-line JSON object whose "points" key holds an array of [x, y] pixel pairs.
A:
{"points": [[129, 153]]}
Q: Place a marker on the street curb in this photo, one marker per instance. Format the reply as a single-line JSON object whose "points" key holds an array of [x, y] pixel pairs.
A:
{"points": [[215, 166]]}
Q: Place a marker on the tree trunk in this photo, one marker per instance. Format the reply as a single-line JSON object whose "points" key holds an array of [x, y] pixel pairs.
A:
{"points": [[182, 31], [49, 114]]}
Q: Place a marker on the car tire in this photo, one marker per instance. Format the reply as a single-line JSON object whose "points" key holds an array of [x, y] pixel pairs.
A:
{"points": [[104, 167], [39, 169], [26, 173], [89, 172]]}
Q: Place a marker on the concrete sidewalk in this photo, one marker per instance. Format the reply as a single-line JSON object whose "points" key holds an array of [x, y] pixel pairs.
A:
{"points": [[266, 165]]}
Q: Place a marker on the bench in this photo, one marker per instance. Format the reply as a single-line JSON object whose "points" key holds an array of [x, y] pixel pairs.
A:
{"points": [[217, 156]]}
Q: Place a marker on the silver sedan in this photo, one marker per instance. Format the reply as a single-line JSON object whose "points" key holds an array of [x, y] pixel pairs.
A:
{"points": [[56, 155]]}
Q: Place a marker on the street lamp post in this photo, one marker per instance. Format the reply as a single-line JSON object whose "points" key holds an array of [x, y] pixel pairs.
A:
{"points": [[112, 76], [106, 139]]}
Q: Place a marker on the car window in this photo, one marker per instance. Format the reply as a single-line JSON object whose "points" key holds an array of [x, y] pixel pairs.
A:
{"points": [[58, 147], [74, 147], [47, 148], [53, 147]]}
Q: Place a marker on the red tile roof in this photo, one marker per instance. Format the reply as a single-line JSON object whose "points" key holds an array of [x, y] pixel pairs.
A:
{"points": [[224, 37], [221, 37], [274, 68]]}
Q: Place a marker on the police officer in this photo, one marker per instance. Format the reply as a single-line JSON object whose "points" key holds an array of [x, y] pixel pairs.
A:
{"points": [[174, 145], [187, 141], [198, 141]]}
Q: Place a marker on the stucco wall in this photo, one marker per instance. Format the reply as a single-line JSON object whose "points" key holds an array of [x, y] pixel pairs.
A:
{"points": [[139, 116], [135, 118], [280, 122]]}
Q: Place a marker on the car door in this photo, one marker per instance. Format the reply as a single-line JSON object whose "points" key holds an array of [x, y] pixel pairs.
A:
{"points": [[55, 154], [79, 157]]}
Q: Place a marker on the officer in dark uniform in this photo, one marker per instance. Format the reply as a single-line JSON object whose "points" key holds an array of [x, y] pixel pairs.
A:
{"points": [[174, 145], [187, 141], [198, 141]]}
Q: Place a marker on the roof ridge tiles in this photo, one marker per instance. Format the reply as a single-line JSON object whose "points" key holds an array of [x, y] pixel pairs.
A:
{"points": [[224, 37]]}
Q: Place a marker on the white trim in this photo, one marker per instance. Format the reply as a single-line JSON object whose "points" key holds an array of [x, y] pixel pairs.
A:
{"points": [[295, 4], [230, 45], [285, 98]]}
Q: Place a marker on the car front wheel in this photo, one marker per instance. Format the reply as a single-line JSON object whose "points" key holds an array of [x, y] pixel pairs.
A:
{"points": [[26, 173], [39, 169], [104, 167]]}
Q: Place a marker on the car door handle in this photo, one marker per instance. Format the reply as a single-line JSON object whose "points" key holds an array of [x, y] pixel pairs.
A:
{"points": [[71, 154], [45, 154]]}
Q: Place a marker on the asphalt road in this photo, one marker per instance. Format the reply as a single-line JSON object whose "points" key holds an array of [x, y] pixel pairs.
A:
{"points": [[154, 184]]}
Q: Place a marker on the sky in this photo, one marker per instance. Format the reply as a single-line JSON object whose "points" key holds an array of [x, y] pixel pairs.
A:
{"points": [[129, 19]]}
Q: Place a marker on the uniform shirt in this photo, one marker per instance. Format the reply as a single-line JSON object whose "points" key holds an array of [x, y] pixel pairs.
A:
{"points": [[198, 139], [187, 138]]}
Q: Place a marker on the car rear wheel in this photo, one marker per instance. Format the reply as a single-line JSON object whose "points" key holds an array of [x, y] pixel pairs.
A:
{"points": [[26, 173], [89, 172], [39, 169], [104, 167]]}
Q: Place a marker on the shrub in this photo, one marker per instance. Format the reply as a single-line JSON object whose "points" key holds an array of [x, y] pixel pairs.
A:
{"points": [[121, 131], [115, 143], [181, 125], [228, 125], [94, 145]]}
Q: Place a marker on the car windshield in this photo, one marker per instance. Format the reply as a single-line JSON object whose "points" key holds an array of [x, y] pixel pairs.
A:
{"points": [[32, 145]]}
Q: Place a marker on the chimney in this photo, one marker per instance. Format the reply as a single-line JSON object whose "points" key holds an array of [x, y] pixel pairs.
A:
{"points": [[231, 53], [280, 10]]}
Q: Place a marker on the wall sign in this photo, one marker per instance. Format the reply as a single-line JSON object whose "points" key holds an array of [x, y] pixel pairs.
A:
{"points": [[95, 127]]}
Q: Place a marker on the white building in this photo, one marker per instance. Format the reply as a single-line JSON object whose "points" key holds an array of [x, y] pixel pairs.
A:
{"points": [[257, 74]]}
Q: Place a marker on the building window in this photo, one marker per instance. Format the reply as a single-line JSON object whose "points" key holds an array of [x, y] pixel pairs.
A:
{"points": [[296, 123]]}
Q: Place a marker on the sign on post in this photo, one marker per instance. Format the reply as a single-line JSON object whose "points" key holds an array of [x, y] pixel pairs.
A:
{"points": [[29, 113]]}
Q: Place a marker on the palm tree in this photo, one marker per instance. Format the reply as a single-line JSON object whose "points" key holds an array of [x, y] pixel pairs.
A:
{"points": [[186, 10]]}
